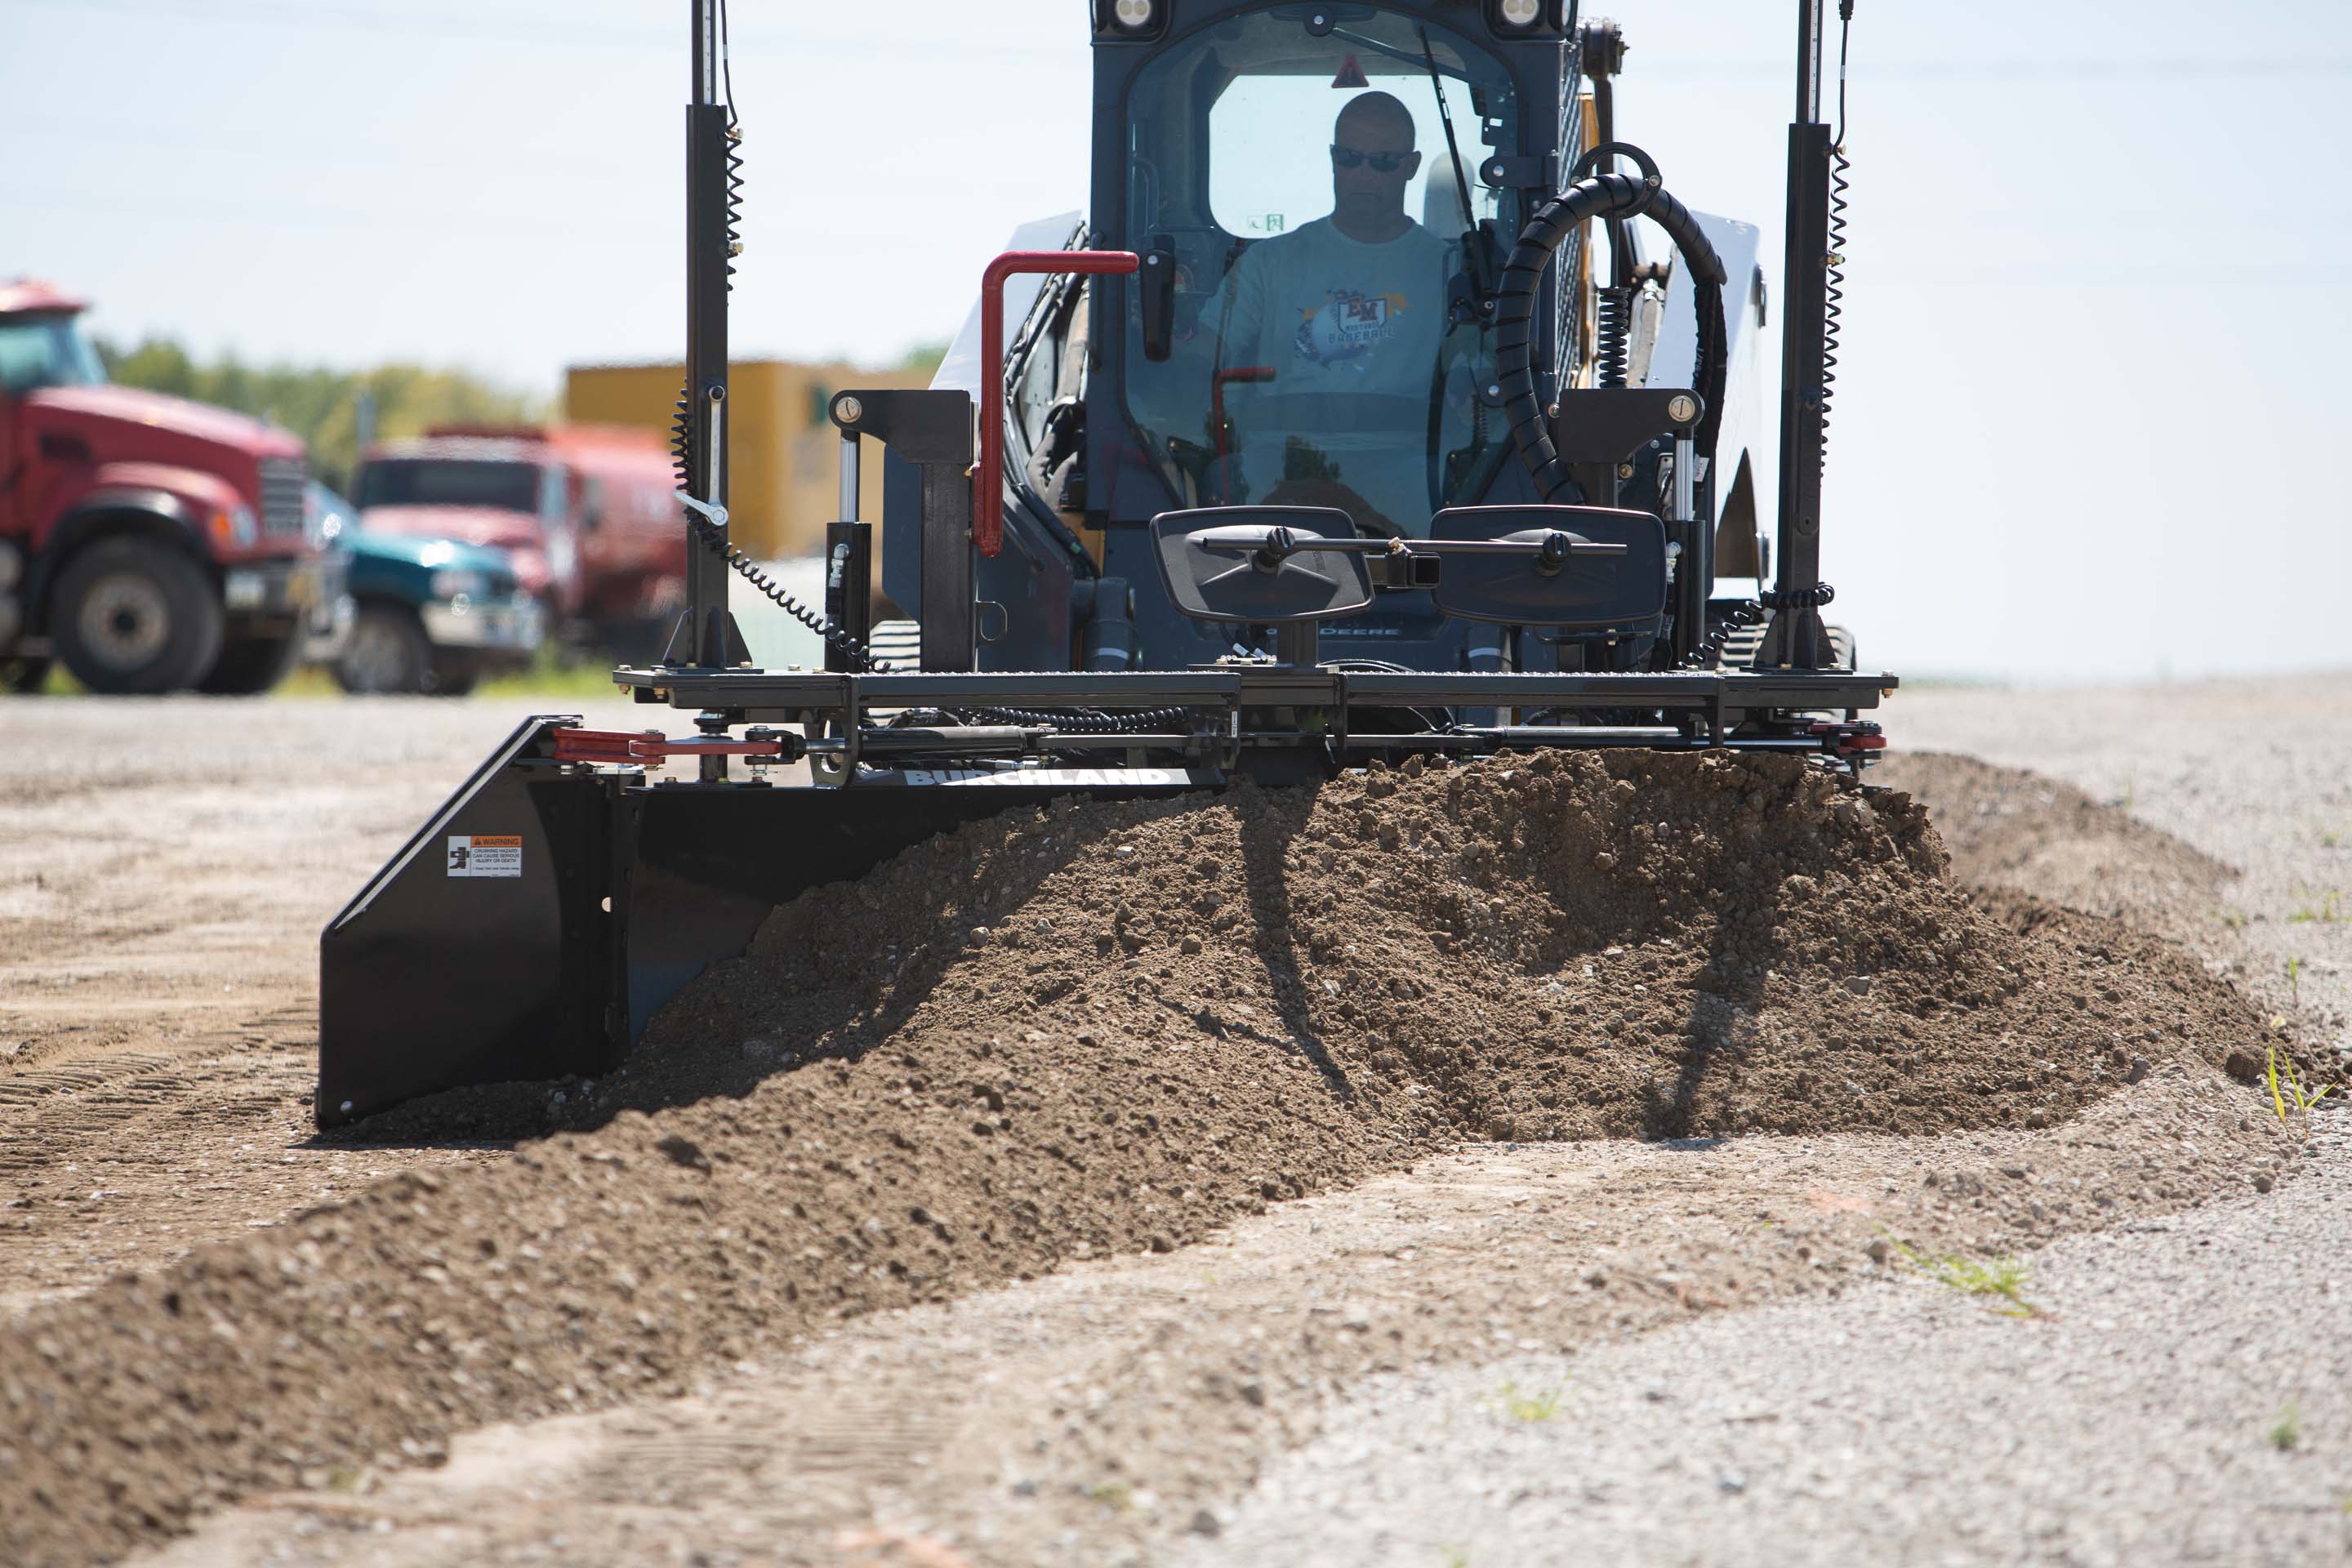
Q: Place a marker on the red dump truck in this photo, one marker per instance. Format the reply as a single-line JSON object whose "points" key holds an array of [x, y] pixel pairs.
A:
{"points": [[148, 543], [586, 512]]}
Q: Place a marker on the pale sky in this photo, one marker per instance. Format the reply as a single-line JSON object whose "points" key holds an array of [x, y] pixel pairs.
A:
{"points": [[2092, 414]]}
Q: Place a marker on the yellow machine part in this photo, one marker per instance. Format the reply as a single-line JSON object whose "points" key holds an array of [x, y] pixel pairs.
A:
{"points": [[784, 459]]}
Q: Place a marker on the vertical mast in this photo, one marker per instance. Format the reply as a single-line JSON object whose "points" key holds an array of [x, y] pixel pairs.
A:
{"points": [[707, 636], [1796, 637]]}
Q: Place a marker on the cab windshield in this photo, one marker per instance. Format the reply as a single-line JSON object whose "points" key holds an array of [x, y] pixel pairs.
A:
{"points": [[1326, 348], [451, 481], [46, 350]]}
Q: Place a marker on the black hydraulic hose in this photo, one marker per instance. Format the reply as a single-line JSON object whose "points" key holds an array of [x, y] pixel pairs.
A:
{"points": [[1601, 196]]}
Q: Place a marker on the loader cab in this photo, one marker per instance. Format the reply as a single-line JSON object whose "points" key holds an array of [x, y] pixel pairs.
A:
{"points": [[1308, 327], [1322, 198]]}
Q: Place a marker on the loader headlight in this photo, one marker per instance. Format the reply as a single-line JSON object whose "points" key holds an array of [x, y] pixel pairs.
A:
{"points": [[1519, 14], [1133, 14]]}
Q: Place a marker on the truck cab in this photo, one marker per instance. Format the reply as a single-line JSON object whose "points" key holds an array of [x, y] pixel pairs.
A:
{"points": [[148, 543], [583, 513]]}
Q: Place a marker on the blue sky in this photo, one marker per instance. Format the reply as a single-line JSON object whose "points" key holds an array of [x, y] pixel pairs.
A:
{"points": [[2093, 415]]}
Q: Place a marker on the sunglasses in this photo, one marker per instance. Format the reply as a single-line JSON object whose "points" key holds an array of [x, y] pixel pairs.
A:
{"points": [[1384, 163]]}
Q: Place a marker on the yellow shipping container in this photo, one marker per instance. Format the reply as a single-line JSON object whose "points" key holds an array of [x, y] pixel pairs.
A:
{"points": [[783, 468]]}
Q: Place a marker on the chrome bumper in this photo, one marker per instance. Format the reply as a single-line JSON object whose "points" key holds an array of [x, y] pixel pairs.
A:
{"points": [[501, 625]]}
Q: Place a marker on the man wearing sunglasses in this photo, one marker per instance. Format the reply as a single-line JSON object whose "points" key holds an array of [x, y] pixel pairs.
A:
{"points": [[1348, 313]]}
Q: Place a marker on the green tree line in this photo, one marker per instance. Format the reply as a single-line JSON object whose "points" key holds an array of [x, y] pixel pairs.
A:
{"points": [[323, 406]]}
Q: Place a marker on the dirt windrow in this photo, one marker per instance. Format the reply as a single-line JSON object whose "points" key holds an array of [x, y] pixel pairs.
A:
{"points": [[1102, 1027]]}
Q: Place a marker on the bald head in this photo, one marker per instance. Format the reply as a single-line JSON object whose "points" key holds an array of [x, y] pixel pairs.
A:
{"points": [[1372, 161], [1378, 114]]}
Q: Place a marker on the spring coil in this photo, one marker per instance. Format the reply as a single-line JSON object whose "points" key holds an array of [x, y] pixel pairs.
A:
{"points": [[1708, 655], [1833, 264], [734, 194], [1811, 599], [1079, 721], [832, 634], [1613, 312], [1834, 288], [682, 441]]}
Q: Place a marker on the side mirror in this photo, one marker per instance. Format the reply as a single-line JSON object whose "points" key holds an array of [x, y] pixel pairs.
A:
{"points": [[1572, 568], [1264, 565], [1157, 278]]}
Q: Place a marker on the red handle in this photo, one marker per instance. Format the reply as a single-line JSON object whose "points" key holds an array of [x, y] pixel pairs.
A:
{"points": [[987, 478], [650, 746]]}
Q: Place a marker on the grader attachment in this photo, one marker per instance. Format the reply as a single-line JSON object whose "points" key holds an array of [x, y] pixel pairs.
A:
{"points": [[1471, 501]]}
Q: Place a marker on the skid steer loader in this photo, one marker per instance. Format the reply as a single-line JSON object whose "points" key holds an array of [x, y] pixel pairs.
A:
{"points": [[1382, 402]]}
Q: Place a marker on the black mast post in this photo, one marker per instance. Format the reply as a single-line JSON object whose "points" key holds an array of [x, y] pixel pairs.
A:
{"points": [[1796, 638], [706, 636]]}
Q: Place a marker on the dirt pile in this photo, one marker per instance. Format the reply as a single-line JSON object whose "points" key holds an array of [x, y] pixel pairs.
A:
{"points": [[1103, 1028], [2024, 833]]}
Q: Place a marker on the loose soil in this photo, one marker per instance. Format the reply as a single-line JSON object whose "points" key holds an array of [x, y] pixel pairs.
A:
{"points": [[2023, 833], [1107, 1028]]}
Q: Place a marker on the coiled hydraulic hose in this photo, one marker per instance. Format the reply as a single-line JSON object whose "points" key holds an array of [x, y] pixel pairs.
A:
{"points": [[1602, 196]]}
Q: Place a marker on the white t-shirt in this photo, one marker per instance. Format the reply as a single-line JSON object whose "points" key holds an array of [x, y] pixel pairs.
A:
{"points": [[1352, 332], [1328, 313]]}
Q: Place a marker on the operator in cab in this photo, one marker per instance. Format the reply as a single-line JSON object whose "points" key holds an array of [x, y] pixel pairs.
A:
{"points": [[1326, 338]]}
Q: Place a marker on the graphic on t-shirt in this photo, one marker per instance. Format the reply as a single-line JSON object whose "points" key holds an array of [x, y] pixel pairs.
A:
{"points": [[1346, 326]]}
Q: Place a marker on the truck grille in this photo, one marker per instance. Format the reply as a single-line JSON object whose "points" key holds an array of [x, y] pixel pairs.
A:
{"points": [[282, 483]]}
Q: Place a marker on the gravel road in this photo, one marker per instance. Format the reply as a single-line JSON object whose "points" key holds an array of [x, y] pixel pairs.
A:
{"points": [[2181, 1393]]}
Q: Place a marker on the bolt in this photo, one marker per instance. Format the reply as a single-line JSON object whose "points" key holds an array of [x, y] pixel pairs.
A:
{"points": [[1624, 470], [848, 410]]}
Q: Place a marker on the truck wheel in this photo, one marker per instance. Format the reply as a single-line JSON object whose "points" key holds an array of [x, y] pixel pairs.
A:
{"points": [[455, 673], [250, 666], [387, 652], [135, 615]]}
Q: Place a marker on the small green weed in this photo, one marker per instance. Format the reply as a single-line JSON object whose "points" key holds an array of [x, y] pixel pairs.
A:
{"points": [[1117, 1496], [2327, 911], [1540, 1406], [2294, 1086], [2330, 840], [2001, 1277], [1456, 1557], [2287, 1432]]}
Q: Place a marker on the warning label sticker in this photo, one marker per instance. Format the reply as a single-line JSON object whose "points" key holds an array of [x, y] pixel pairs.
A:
{"points": [[486, 854]]}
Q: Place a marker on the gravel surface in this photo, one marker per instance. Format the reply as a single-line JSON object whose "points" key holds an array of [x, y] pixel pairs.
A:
{"points": [[1127, 1409], [1110, 1026], [2181, 1393]]}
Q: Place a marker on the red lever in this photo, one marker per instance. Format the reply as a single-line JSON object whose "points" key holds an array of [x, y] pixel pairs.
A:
{"points": [[650, 746], [1848, 739], [987, 478]]}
